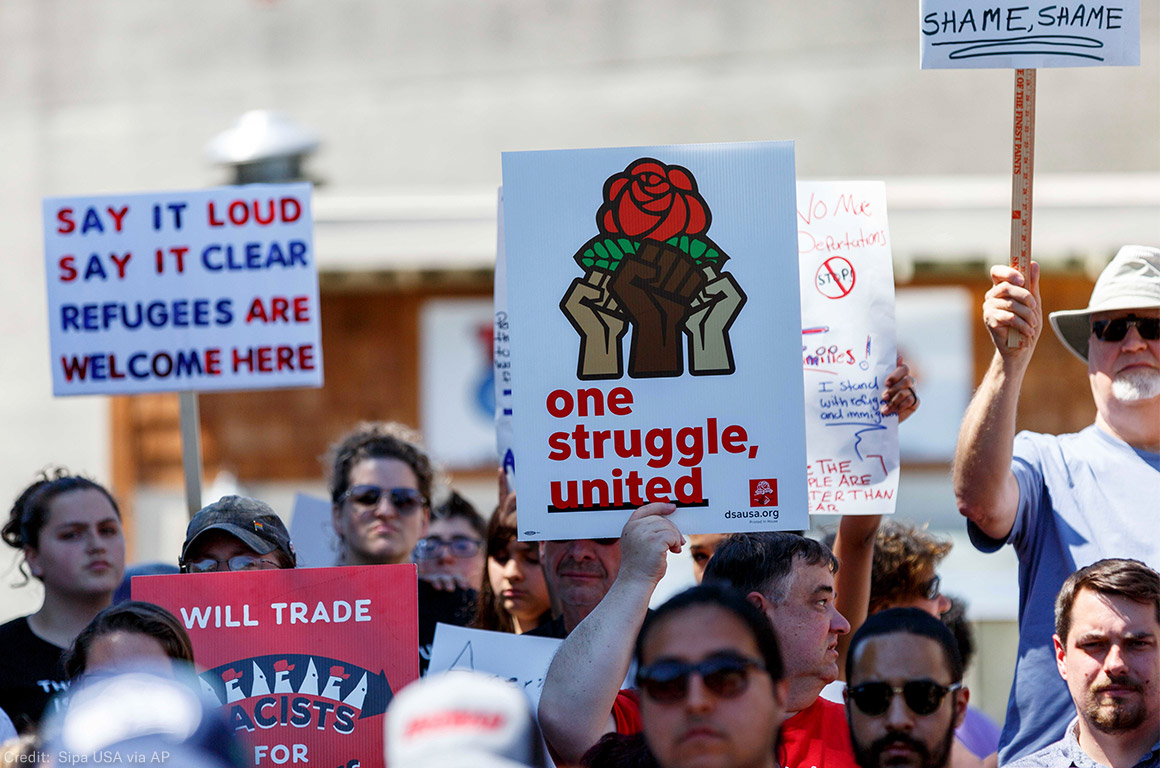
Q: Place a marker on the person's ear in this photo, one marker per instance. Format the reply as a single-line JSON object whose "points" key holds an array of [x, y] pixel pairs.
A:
{"points": [[759, 601], [962, 698], [1060, 652], [32, 557]]}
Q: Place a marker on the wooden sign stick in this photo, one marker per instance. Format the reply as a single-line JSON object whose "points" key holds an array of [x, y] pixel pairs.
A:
{"points": [[1022, 173], [190, 449]]}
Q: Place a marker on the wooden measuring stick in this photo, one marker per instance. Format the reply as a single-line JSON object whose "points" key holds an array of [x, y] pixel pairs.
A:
{"points": [[1022, 172]]}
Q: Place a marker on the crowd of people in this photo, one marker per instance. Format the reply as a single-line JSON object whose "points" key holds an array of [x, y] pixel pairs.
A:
{"points": [[791, 651]]}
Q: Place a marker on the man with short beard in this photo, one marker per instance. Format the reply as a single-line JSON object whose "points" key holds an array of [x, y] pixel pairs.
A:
{"points": [[1107, 646], [1064, 501], [905, 695]]}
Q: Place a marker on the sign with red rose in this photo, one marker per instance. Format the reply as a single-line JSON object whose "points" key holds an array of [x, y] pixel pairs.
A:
{"points": [[646, 371]]}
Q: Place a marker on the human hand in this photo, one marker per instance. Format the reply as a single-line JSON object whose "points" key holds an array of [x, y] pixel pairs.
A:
{"points": [[900, 396], [647, 537], [655, 287], [713, 312], [590, 309], [1013, 303]]}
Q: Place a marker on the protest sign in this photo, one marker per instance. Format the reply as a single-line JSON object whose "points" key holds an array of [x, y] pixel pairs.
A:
{"points": [[519, 659], [502, 360], [312, 531], [848, 349], [183, 291], [303, 662], [659, 360], [1027, 34]]}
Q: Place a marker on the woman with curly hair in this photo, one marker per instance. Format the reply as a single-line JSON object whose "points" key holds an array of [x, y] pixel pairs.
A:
{"points": [[69, 531]]}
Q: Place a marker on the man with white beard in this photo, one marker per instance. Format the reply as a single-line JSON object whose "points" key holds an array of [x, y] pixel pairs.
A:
{"points": [[1064, 501]]}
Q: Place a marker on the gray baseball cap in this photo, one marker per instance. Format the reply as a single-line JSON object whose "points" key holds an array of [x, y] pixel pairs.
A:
{"points": [[251, 521]]}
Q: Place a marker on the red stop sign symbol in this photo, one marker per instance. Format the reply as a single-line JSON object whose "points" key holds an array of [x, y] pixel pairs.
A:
{"points": [[835, 278]]}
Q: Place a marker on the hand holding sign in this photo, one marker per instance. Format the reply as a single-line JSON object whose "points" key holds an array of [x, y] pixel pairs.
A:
{"points": [[647, 537], [1013, 303]]}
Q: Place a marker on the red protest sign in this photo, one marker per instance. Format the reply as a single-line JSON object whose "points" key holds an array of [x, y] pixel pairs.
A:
{"points": [[304, 662]]}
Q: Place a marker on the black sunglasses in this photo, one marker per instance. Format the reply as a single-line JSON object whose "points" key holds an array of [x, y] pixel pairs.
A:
{"points": [[725, 674], [1117, 328], [432, 547], [367, 497], [931, 589], [922, 696]]}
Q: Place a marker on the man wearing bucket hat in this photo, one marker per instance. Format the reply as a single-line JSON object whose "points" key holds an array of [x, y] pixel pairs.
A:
{"points": [[236, 533], [1064, 501]]}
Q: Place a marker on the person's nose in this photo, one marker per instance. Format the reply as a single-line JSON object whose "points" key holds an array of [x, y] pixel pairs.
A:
{"points": [[838, 623], [698, 698], [1114, 663], [944, 604], [512, 571], [582, 549], [94, 543], [445, 556], [1133, 340], [898, 715]]}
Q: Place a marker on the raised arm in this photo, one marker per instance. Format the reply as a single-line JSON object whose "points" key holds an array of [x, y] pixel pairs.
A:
{"points": [[985, 487], [586, 673], [854, 548]]}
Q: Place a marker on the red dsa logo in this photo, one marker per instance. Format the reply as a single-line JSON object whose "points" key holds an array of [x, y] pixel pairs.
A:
{"points": [[763, 493]]}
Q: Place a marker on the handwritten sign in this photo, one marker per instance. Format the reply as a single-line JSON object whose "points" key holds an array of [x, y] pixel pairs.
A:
{"points": [[205, 290], [519, 659], [848, 350], [502, 361], [654, 320], [303, 662], [979, 34]]}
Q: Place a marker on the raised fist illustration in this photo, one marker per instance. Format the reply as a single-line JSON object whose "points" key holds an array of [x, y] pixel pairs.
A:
{"points": [[655, 288], [713, 313], [594, 314]]}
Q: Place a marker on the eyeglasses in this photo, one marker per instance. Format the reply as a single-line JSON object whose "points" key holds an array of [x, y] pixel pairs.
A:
{"points": [[432, 547], [922, 696], [1117, 328], [930, 589], [235, 563], [367, 497], [725, 674]]}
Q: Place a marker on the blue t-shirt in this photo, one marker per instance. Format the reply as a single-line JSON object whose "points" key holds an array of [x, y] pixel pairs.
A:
{"points": [[1083, 497]]}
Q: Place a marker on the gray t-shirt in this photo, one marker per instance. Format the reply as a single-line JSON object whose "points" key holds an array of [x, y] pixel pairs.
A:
{"points": [[1083, 497]]}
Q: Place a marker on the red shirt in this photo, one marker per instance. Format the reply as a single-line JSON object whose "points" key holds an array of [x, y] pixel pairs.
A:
{"points": [[816, 737]]}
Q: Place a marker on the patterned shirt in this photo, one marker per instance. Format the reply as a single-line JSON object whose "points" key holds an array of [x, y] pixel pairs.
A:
{"points": [[1067, 753]]}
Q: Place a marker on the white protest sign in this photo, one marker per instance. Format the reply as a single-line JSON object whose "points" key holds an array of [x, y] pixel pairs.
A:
{"points": [[203, 290], [1028, 34], [312, 531], [519, 659], [654, 318], [502, 360], [848, 348]]}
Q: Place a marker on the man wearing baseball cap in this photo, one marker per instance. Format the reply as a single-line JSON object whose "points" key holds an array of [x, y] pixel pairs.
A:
{"points": [[1064, 501], [236, 533]]}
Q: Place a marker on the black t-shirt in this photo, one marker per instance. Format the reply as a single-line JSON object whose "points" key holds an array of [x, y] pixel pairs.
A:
{"points": [[550, 628], [30, 674], [437, 606]]}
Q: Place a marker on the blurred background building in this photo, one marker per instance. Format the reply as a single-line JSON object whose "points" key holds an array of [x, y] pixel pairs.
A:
{"points": [[410, 103]]}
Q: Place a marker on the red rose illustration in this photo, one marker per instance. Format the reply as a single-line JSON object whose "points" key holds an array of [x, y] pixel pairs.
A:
{"points": [[231, 674], [653, 201], [283, 666], [338, 672]]}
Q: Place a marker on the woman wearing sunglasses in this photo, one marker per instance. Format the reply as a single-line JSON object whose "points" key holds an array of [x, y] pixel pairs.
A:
{"points": [[379, 486], [69, 530], [709, 677]]}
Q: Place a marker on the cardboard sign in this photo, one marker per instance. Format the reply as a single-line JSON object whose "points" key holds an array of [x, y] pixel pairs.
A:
{"points": [[655, 316], [848, 349], [519, 659], [1027, 34], [304, 662], [203, 290], [312, 531]]}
